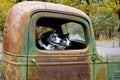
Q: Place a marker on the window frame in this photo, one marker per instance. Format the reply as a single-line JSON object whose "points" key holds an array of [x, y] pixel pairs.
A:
{"points": [[61, 15]]}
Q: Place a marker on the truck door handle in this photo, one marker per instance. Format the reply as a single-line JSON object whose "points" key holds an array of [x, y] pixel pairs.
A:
{"points": [[36, 64]]}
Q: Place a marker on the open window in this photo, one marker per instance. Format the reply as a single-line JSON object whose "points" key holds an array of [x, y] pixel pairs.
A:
{"points": [[74, 31]]}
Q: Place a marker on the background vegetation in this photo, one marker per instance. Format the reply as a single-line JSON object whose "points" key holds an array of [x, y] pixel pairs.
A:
{"points": [[105, 14]]}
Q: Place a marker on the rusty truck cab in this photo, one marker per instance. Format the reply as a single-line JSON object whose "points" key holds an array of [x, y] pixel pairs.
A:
{"points": [[23, 59]]}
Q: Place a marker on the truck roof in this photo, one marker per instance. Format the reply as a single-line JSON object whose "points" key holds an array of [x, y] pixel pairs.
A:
{"points": [[29, 6]]}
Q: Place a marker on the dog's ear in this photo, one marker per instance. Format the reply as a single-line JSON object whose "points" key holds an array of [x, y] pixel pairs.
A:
{"points": [[54, 30], [67, 35], [41, 36]]}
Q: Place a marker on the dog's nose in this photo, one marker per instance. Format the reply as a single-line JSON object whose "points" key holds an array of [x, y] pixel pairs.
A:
{"points": [[61, 41]]}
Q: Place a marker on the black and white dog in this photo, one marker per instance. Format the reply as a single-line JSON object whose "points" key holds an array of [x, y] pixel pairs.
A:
{"points": [[51, 41]]}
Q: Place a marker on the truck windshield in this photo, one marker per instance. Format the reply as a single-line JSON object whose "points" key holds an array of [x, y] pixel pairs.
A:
{"points": [[75, 30]]}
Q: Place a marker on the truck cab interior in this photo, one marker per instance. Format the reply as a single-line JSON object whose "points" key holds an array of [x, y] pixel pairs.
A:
{"points": [[73, 29]]}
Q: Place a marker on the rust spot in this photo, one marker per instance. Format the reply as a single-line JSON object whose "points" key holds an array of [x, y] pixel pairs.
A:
{"points": [[13, 34], [101, 75]]}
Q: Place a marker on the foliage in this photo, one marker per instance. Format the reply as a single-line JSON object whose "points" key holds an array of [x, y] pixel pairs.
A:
{"points": [[4, 7]]}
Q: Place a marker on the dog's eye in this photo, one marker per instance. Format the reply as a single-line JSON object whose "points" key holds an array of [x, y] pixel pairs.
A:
{"points": [[53, 36]]}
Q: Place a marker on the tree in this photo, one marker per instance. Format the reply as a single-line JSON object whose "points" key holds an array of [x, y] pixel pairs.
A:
{"points": [[4, 8]]}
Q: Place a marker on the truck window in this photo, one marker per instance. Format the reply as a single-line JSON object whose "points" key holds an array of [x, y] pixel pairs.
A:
{"points": [[75, 30], [72, 30]]}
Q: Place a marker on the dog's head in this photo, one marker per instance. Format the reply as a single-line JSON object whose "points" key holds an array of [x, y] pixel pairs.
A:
{"points": [[65, 40], [50, 38]]}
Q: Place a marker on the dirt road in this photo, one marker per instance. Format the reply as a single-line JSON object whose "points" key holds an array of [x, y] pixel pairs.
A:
{"points": [[108, 44]]}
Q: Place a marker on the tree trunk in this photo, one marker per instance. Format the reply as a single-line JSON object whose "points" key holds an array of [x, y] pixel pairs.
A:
{"points": [[43, 0], [17, 1], [97, 34], [119, 31]]}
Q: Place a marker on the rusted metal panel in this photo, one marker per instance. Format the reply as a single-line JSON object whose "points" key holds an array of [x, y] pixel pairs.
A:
{"points": [[60, 65], [70, 72]]}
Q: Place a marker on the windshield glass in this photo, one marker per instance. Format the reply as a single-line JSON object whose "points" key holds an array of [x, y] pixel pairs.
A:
{"points": [[75, 30]]}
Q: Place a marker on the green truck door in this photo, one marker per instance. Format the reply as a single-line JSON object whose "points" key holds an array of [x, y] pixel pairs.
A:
{"points": [[60, 64]]}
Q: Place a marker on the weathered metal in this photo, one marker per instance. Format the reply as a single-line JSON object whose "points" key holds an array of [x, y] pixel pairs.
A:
{"points": [[22, 60]]}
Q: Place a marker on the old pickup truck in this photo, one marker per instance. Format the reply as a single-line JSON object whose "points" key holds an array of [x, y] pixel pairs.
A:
{"points": [[23, 59]]}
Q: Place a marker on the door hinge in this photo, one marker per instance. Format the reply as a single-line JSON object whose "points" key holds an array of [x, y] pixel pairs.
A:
{"points": [[93, 57]]}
